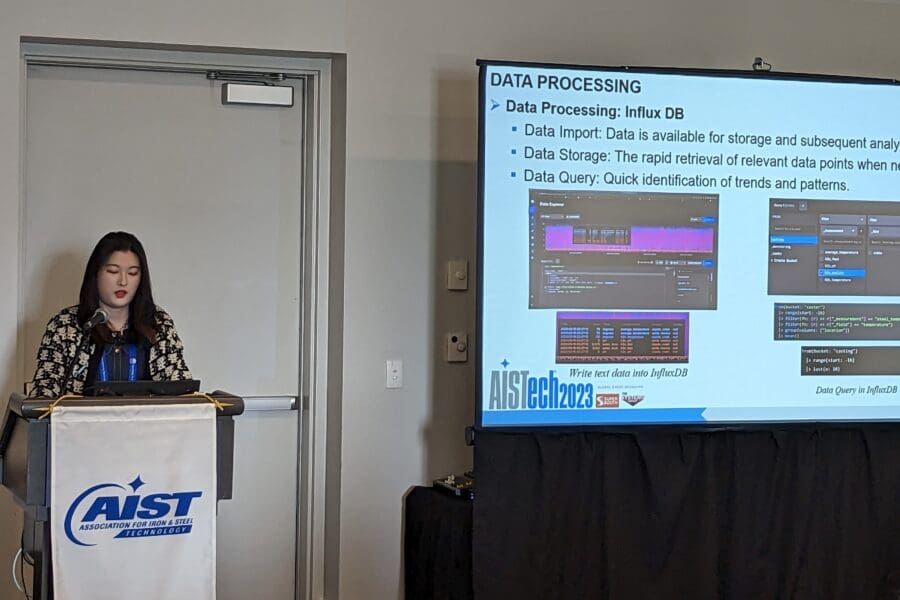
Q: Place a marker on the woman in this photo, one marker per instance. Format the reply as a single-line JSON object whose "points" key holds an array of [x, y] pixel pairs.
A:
{"points": [[138, 341]]}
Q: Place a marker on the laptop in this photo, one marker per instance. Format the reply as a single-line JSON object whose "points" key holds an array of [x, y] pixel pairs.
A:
{"points": [[144, 388]]}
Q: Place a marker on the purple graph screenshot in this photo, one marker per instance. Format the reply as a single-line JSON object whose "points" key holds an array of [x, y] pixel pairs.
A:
{"points": [[622, 250]]}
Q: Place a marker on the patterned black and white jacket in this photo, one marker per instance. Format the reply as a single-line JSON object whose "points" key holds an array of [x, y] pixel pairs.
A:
{"points": [[63, 338]]}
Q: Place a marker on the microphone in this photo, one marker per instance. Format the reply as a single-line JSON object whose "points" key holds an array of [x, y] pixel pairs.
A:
{"points": [[99, 317]]}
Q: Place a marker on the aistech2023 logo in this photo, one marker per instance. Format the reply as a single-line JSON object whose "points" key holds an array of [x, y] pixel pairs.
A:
{"points": [[513, 389], [108, 511]]}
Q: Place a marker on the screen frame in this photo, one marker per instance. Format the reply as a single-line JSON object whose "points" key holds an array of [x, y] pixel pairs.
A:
{"points": [[632, 428]]}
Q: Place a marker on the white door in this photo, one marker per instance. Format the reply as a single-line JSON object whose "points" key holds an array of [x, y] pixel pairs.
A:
{"points": [[214, 193]]}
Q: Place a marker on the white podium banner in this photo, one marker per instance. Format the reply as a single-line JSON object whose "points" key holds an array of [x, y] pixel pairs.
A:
{"points": [[133, 502]]}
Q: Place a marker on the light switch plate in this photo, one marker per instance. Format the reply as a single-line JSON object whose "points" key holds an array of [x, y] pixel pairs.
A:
{"points": [[457, 274], [394, 373]]}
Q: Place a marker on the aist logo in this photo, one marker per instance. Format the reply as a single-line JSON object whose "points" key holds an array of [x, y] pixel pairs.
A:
{"points": [[108, 508]]}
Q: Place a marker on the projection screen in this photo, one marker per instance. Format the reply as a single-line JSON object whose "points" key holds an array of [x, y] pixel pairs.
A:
{"points": [[669, 246]]}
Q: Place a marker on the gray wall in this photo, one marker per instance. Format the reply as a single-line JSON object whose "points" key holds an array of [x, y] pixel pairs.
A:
{"points": [[410, 183]]}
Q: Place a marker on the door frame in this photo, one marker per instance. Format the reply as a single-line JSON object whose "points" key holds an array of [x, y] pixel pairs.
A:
{"points": [[321, 261]]}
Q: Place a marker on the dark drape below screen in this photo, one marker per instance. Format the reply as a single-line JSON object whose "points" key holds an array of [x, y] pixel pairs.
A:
{"points": [[754, 514]]}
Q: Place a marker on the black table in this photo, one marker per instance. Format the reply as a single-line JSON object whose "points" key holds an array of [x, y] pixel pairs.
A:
{"points": [[437, 546]]}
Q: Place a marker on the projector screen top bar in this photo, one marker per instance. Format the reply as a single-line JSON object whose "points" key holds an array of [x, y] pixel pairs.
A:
{"points": [[686, 247], [748, 74]]}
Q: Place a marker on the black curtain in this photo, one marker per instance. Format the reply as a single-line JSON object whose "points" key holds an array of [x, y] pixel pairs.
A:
{"points": [[803, 514]]}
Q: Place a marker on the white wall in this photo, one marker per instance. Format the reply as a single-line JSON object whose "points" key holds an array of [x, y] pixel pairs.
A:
{"points": [[411, 133]]}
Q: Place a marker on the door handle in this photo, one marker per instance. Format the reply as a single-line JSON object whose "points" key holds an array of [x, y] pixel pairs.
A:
{"points": [[270, 403]]}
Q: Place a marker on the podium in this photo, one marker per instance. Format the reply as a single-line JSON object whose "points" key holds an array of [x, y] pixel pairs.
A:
{"points": [[25, 464]]}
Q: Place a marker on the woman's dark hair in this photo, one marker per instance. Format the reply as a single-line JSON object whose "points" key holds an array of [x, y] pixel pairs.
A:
{"points": [[141, 311]]}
